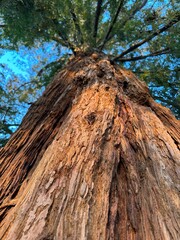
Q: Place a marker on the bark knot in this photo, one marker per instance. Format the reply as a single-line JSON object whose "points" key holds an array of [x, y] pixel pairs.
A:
{"points": [[91, 118], [80, 78]]}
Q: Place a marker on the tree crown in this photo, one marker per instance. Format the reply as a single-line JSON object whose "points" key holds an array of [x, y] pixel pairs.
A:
{"points": [[118, 27]]}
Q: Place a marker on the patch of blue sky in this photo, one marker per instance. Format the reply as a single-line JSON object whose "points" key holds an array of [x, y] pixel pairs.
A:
{"points": [[25, 62], [106, 16], [15, 62]]}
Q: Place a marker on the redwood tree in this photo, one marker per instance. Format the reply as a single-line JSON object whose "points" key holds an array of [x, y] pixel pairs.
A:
{"points": [[95, 157]]}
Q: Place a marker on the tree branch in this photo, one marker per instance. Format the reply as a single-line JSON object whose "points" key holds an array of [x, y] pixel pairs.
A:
{"points": [[150, 37], [106, 39], [98, 12], [157, 53], [76, 24], [64, 42], [69, 44], [59, 40], [62, 39], [7, 47]]}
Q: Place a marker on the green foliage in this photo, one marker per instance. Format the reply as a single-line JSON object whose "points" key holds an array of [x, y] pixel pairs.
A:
{"points": [[71, 23], [164, 84], [140, 35]]}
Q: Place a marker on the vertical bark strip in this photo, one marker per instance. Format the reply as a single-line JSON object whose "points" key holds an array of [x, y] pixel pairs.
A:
{"points": [[94, 158]]}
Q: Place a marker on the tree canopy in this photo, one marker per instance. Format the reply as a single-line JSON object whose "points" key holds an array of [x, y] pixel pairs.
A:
{"points": [[138, 35]]}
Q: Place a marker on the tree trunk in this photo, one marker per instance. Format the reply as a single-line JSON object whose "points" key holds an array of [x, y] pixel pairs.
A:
{"points": [[94, 158]]}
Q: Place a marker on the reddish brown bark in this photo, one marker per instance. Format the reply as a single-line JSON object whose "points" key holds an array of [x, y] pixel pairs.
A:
{"points": [[94, 158]]}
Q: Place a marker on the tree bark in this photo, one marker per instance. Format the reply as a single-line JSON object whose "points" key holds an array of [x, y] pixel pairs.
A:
{"points": [[94, 158]]}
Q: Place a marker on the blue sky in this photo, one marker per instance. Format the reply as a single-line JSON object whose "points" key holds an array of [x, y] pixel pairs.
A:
{"points": [[21, 62], [10, 58]]}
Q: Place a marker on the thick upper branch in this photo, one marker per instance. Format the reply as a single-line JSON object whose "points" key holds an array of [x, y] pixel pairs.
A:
{"points": [[112, 24], [61, 38], [98, 12], [150, 37], [76, 24], [157, 53]]}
